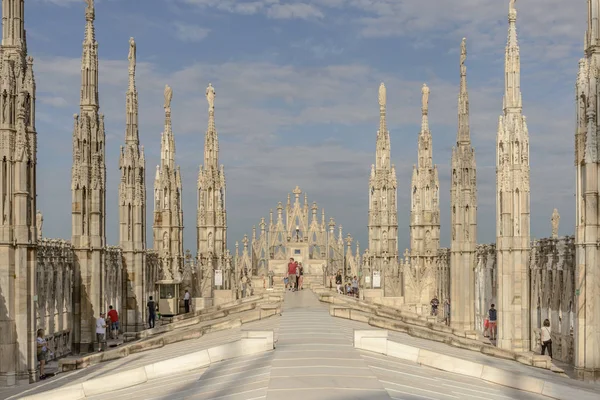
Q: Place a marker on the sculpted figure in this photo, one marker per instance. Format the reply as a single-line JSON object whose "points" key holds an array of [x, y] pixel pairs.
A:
{"points": [[511, 5], [131, 56], [168, 96], [39, 222], [555, 221], [425, 99], [210, 96], [463, 52], [90, 4], [382, 95]]}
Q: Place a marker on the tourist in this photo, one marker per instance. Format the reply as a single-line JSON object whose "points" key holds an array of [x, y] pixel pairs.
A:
{"points": [[42, 352], [186, 301], [355, 286], [447, 311], [338, 282], [292, 267], [486, 327], [493, 316], [546, 338], [434, 305], [151, 313], [114, 322], [101, 332], [300, 276]]}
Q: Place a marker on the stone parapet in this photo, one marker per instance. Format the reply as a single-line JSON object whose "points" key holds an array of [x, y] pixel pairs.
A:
{"points": [[252, 342], [419, 327], [377, 341], [186, 329]]}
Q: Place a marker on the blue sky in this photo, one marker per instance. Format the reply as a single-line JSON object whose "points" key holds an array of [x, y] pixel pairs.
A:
{"points": [[296, 85]]}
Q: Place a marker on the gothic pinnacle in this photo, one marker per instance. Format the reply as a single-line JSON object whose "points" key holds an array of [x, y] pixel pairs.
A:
{"points": [[425, 108], [463, 98]]}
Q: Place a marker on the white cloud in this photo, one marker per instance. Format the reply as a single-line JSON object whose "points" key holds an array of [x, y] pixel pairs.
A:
{"points": [[190, 32]]}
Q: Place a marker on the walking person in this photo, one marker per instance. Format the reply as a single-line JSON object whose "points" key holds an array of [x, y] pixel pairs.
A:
{"points": [[101, 332], [292, 266], [186, 301], [151, 313], [42, 352], [355, 286], [434, 305], [114, 322], [338, 282], [447, 311], [493, 317], [546, 338], [300, 270]]}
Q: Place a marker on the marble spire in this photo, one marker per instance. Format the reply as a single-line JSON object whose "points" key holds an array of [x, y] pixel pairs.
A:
{"points": [[18, 190], [211, 212], [463, 199], [383, 219], [88, 185], [168, 210], [132, 208], [586, 330], [513, 205]]}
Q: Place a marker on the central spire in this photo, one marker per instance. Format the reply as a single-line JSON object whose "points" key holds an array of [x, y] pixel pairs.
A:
{"points": [[464, 134], [512, 93], [132, 134]]}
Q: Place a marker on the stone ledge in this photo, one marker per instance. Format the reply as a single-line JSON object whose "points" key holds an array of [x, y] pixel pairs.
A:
{"points": [[252, 342], [173, 336], [377, 342], [401, 321]]}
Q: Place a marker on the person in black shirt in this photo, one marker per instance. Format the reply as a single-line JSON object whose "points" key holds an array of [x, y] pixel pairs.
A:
{"points": [[493, 316], [338, 282], [151, 313]]}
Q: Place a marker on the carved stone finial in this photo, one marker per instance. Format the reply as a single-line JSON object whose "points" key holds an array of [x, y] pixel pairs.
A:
{"points": [[297, 191], [210, 96], [555, 222], [425, 99], [168, 96], [382, 96]]}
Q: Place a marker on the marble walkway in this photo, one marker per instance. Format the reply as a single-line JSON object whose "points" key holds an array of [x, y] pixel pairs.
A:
{"points": [[314, 359]]}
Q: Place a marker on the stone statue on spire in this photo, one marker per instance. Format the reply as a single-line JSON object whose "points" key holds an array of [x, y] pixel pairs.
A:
{"points": [[382, 96], [511, 5], [210, 96], [89, 11], [425, 100], [131, 56], [463, 52], [168, 96]]}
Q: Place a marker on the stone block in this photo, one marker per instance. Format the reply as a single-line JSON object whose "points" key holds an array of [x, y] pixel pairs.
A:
{"points": [[225, 351], [371, 340], [339, 312], [269, 336], [449, 363], [177, 365], [250, 316], [108, 383], [563, 391], [71, 392], [402, 351], [511, 379]]}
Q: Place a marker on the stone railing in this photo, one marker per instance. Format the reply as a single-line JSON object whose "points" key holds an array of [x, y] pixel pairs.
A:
{"points": [[54, 282]]}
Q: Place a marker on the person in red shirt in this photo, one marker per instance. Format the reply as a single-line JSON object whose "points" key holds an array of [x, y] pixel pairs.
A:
{"points": [[114, 322], [292, 265]]}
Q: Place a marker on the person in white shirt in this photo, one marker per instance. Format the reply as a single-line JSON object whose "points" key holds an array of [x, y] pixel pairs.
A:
{"points": [[42, 351], [101, 331], [186, 301], [546, 338]]}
